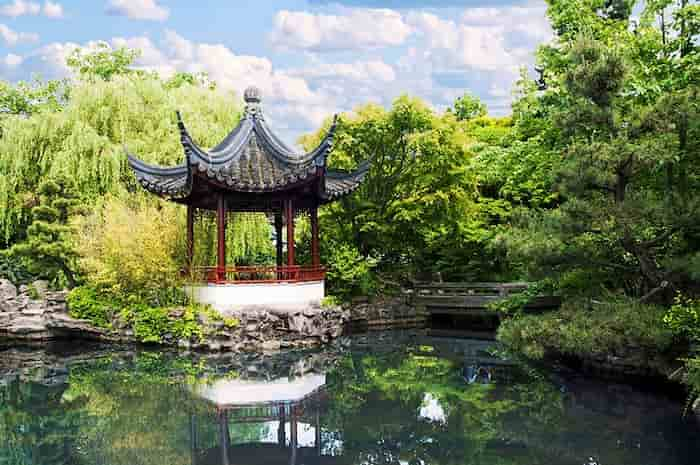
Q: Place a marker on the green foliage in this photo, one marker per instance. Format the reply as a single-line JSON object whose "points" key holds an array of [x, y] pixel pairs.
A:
{"points": [[331, 301], [150, 324], [14, 269], [621, 214], [86, 303], [419, 208], [515, 303], [27, 98], [47, 249], [684, 318], [619, 327], [248, 240], [133, 247], [85, 140], [231, 322], [102, 62], [694, 376], [348, 273], [468, 107]]}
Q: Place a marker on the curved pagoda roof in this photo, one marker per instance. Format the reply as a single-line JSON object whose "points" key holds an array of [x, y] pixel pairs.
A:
{"points": [[251, 159]]}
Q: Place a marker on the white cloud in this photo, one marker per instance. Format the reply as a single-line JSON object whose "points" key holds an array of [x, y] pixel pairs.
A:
{"points": [[20, 8], [178, 46], [356, 29], [25, 8], [53, 9], [138, 9], [11, 37], [479, 51], [11, 60], [448, 44], [371, 70]]}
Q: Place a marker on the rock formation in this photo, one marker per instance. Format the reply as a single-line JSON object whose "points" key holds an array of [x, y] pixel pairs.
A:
{"points": [[34, 314]]}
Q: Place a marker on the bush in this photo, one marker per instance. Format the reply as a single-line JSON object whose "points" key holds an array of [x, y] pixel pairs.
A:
{"points": [[349, 273], [150, 324], [133, 247], [85, 303], [694, 375], [14, 269], [684, 318], [610, 328]]}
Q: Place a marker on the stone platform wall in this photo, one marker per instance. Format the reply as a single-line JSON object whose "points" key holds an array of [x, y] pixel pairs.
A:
{"points": [[32, 314]]}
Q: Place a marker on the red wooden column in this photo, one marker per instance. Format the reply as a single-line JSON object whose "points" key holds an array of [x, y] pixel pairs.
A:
{"points": [[281, 432], [294, 440], [221, 238], [315, 254], [278, 234], [190, 239], [289, 212], [224, 437]]}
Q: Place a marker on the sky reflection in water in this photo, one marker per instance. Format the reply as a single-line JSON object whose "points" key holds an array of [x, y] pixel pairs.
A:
{"points": [[380, 399]]}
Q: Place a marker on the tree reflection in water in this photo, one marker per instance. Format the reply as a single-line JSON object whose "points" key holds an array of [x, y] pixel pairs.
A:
{"points": [[372, 400]]}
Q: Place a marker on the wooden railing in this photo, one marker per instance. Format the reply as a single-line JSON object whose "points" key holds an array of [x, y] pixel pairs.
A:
{"points": [[460, 298], [486, 289], [258, 274]]}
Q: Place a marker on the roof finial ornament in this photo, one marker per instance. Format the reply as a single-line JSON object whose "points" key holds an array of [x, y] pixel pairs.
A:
{"points": [[252, 97]]}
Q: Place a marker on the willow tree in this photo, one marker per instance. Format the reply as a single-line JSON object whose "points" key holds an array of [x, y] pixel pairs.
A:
{"points": [[81, 131]]}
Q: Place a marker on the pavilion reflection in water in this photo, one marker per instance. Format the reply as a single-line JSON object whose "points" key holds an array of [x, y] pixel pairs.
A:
{"points": [[287, 406]]}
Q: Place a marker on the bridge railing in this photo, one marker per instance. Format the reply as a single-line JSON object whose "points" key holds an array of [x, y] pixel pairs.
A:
{"points": [[455, 288], [458, 298]]}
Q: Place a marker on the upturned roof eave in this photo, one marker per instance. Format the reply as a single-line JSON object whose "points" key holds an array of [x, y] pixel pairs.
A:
{"points": [[338, 184], [154, 170]]}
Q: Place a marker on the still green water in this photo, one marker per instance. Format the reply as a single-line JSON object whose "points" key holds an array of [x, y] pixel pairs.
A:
{"points": [[396, 398]]}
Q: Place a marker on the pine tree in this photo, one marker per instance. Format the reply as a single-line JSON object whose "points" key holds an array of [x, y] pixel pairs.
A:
{"points": [[47, 249]]}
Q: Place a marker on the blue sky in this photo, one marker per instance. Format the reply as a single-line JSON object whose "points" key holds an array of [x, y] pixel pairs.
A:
{"points": [[311, 58]]}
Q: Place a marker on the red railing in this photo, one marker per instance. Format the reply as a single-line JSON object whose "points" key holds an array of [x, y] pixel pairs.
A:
{"points": [[258, 274]]}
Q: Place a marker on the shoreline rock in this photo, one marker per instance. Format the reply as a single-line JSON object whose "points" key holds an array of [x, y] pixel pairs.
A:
{"points": [[386, 313], [32, 314]]}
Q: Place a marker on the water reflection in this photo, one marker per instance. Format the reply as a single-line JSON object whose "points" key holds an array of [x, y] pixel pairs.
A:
{"points": [[279, 408], [388, 399]]}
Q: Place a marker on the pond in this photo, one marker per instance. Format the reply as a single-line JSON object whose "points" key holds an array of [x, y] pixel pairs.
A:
{"points": [[382, 398]]}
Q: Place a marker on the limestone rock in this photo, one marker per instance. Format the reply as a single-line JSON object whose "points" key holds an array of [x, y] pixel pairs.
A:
{"points": [[696, 407], [5, 318], [272, 345], [27, 327], [57, 297], [34, 307], [65, 326], [7, 291]]}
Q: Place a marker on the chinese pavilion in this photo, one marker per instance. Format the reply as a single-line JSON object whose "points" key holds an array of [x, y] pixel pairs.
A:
{"points": [[252, 170]]}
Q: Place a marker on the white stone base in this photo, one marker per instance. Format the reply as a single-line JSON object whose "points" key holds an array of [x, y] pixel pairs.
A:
{"points": [[226, 297]]}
